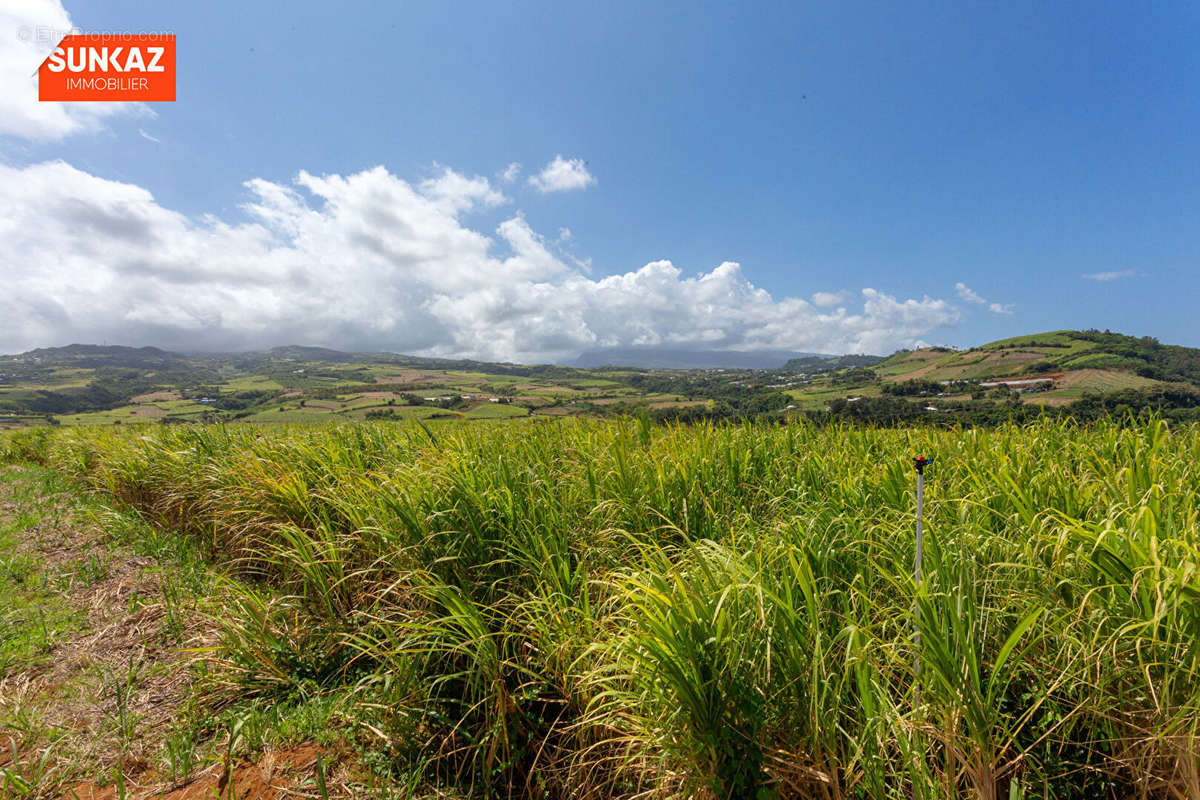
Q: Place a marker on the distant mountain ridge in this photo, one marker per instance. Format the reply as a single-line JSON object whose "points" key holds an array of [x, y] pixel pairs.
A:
{"points": [[109, 355], [97, 349], [1051, 351], [91, 356], [828, 363], [301, 352], [684, 358], [1092, 372]]}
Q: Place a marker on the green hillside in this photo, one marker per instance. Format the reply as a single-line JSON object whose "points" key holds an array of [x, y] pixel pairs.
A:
{"points": [[1085, 374], [1054, 351], [1076, 360], [107, 385], [1082, 373]]}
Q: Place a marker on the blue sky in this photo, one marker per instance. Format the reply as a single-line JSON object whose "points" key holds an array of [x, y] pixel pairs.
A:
{"points": [[1011, 148]]}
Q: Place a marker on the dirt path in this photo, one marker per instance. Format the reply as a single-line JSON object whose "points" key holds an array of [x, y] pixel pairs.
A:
{"points": [[97, 653]]}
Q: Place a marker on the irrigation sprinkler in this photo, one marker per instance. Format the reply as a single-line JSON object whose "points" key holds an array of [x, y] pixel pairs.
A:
{"points": [[920, 463]]}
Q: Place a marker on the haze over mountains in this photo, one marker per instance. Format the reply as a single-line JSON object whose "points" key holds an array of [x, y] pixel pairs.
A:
{"points": [[1063, 350], [639, 357], [684, 358]]}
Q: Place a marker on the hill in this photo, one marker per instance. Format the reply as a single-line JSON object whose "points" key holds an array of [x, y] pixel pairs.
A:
{"points": [[829, 363], [93, 384], [1081, 373], [95, 355], [1067, 362], [683, 358]]}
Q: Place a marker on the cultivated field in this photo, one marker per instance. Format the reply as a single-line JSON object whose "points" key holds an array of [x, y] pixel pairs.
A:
{"points": [[578, 608]]}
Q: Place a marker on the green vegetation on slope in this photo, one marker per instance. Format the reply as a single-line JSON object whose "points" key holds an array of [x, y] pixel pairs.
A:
{"points": [[1079, 371], [601, 609], [90, 385], [1049, 352]]}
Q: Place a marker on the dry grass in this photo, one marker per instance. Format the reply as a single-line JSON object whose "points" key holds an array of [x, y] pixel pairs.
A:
{"points": [[82, 691], [92, 717]]}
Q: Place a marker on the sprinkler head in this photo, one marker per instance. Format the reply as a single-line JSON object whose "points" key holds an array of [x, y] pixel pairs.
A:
{"points": [[920, 462]]}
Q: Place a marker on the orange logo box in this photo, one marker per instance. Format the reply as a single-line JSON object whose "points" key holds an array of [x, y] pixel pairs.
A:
{"points": [[110, 67]]}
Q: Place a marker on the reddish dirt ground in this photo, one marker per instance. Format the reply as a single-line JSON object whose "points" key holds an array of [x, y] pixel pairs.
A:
{"points": [[281, 775]]}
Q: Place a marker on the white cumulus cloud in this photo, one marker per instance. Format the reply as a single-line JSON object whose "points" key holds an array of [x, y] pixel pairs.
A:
{"points": [[29, 31], [562, 175], [369, 261], [511, 172], [968, 294], [971, 296], [455, 192], [829, 299]]}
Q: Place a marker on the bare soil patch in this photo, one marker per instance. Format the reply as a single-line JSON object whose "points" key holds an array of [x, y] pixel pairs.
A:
{"points": [[552, 388], [156, 397], [1003, 359], [402, 376], [1103, 378], [289, 773]]}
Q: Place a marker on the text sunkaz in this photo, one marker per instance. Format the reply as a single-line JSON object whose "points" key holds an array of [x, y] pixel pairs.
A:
{"points": [[104, 59]]}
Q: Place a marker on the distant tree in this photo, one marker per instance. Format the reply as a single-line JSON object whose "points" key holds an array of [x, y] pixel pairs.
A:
{"points": [[854, 375]]}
